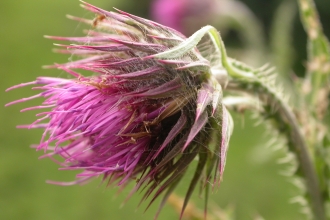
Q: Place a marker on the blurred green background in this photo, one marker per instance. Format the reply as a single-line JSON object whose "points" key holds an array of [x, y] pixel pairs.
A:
{"points": [[252, 186]]}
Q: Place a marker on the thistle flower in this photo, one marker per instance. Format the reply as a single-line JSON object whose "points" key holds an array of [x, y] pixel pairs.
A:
{"points": [[137, 116]]}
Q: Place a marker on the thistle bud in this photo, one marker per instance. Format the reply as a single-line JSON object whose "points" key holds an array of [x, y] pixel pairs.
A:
{"points": [[135, 116]]}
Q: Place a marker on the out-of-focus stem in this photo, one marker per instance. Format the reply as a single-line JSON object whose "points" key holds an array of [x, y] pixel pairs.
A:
{"points": [[281, 38], [318, 69], [285, 114], [191, 211], [251, 81]]}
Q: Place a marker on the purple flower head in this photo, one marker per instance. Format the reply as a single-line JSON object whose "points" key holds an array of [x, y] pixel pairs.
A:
{"points": [[136, 116], [180, 14]]}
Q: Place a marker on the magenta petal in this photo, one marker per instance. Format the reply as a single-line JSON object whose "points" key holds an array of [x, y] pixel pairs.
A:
{"points": [[23, 100]]}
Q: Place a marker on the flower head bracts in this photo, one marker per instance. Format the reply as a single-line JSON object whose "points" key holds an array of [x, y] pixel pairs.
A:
{"points": [[138, 116]]}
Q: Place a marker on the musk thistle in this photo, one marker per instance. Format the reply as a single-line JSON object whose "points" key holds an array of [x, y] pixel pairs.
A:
{"points": [[145, 112]]}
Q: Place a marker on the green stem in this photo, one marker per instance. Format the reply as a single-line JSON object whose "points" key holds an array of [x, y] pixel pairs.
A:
{"points": [[318, 50], [295, 138], [249, 80]]}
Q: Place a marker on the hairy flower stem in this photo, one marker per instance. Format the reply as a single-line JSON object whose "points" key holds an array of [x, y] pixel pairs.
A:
{"points": [[288, 125], [257, 82]]}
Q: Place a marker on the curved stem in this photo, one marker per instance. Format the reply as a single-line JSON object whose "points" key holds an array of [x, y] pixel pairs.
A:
{"points": [[294, 136], [251, 81]]}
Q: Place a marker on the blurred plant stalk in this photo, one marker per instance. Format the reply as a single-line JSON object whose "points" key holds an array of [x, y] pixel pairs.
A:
{"points": [[315, 93], [318, 66], [193, 212]]}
